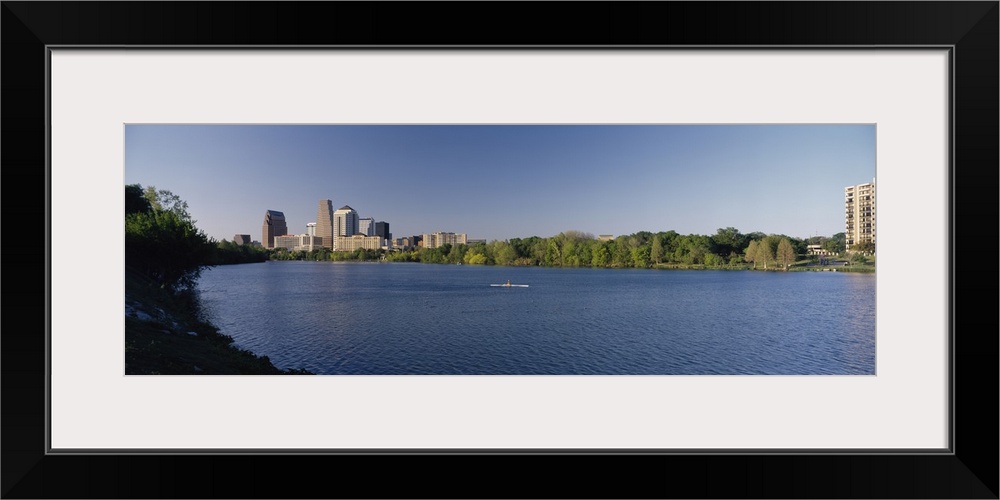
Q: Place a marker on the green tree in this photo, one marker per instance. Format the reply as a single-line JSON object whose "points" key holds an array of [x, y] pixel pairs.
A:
{"points": [[691, 249], [785, 254], [475, 257], [577, 236], [585, 252], [765, 253], [569, 252], [656, 250], [767, 247], [836, 243], [751, 253], [727, 240], [457, 253], [735, 260], [553, 255], [640, 257], [539, 248], [476, 254], [166, 201], [700, 246], [600, 257], [322, 253], [522, 247], [162, 242], [228, 252], [712, 260], [619, 251], [135, 200], [865, 247], [503, 253], [670, 241]]}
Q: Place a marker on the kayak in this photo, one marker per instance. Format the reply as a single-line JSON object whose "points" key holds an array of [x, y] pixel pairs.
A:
{"points": [[507, 286]]}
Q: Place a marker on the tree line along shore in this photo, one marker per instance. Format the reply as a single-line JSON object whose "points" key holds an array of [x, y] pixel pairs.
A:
{"points": [[727, 249]]}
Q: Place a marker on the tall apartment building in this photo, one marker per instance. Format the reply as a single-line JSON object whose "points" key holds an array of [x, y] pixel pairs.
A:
{"points": [[366, 226], [859, 212], [438, 239], [324, 222], [345, 223], [311, 229], [274, 225]]}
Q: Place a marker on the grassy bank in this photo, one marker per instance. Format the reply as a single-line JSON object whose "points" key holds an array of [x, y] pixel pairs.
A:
{"points": [[163, 336], [864, 269]]}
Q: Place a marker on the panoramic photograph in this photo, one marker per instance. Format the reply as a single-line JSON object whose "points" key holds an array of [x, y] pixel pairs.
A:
{"points": [[538, 249]]}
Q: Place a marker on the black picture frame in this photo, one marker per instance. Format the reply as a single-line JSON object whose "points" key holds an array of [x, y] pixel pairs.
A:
{"points": [[969, 28]]}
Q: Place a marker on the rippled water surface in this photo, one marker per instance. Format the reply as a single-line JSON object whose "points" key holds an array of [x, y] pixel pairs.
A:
{"points": [[409, 318]]}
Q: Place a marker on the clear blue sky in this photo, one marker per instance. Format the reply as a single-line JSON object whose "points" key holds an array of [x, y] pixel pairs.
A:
{"points": [[510, 181]]}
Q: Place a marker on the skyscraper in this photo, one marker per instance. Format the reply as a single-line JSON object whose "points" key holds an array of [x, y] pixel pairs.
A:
{"points": [[324, 222], [274, 225], [366, 226], [345, 223], [859, 211], [382, 229]]}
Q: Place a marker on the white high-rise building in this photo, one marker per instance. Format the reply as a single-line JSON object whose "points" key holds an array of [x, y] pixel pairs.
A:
{"points": [[311, 229], [859, 214], [345, 223]]}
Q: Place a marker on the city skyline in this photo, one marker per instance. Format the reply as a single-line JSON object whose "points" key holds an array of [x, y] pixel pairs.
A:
{"points": [[497, 182]]}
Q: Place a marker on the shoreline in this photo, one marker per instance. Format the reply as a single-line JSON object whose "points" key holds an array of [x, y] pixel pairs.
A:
{"points": [[164, 336]]}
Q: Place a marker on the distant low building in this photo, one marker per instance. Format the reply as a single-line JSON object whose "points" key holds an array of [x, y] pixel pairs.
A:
{"points": [[440, 239], [358, 241], [241, 239], [296, 242], [287, 241], [405, 243], [309, 242], [606, 237], [816, 250], [475, 242]]}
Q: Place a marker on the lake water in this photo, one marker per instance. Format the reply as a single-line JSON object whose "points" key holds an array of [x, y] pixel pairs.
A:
{"points": [[411, 318]]}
